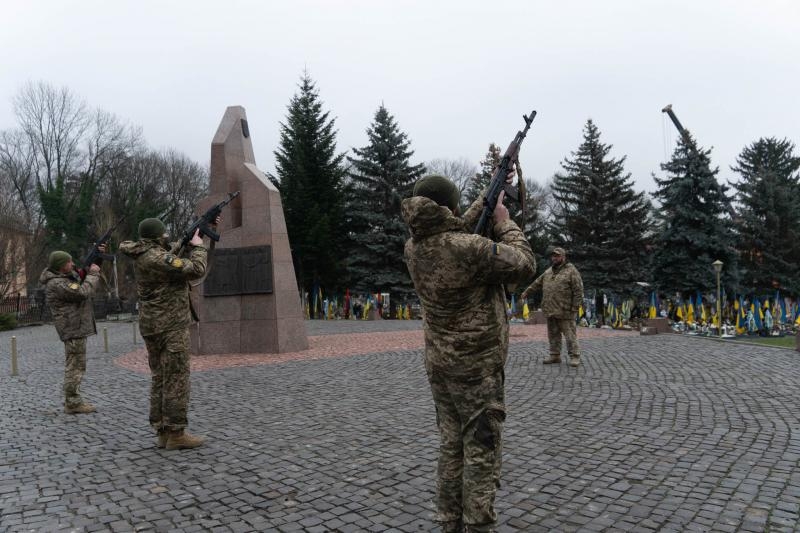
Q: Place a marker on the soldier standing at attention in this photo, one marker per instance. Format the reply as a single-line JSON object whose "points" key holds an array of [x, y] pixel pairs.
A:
{"points": [[70, 302], [562, 294], [459, 279], [162, 280]]}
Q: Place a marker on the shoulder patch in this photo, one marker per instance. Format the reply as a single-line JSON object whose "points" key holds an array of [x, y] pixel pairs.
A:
{"points": [[171, 260], [74, 286]]}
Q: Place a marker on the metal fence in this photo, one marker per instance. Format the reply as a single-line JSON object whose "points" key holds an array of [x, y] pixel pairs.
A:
{"points": [[33, 309]]}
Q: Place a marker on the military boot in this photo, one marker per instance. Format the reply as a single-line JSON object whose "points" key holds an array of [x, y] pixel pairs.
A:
{"points": [[453, 527], [554, 360], [163, 435], [182, 440], [480, 529], [80, 409], [574, 360]]}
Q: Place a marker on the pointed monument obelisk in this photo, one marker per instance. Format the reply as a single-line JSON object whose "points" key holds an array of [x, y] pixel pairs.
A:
{"points": [[248, 302]]}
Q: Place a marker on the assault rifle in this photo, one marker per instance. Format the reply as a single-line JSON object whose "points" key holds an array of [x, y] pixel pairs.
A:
{"points": [[95, 256], [203, 222], [500, 175]]}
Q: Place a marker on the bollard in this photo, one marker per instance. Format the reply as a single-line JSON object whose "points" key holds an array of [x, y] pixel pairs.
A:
{"points": [[105, 339], [13, 356]]}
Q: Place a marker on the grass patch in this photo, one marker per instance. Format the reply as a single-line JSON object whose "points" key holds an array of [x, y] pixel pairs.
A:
{"points": [[783, 342]]}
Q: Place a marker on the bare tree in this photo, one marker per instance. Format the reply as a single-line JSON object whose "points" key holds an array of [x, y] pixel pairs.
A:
{"points": [[17, 172], [15, 240], [184, 183], [109, 144], [54, 121]]}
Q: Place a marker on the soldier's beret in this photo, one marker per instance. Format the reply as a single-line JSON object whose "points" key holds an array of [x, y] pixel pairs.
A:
{"points": [[151, 228], [58, 259], [439, 189], [558, 251]]}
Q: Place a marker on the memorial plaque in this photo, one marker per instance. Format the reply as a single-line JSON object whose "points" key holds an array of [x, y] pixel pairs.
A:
{"points": [[255, 264], [238, 271]]}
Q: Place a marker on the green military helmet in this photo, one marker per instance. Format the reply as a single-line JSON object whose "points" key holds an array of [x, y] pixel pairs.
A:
{"points": [[439, 189], [151, 228], [57, 260]]}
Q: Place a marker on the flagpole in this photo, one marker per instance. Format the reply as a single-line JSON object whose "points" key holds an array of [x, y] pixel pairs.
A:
{"points": [[718, 268]]}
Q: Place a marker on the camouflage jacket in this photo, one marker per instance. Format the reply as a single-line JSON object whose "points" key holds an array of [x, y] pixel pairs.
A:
{"points": [[562, 291], [162, 281], [459, 279], [70, 302]]}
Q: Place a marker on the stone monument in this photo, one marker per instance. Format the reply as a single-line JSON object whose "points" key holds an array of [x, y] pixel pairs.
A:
{"points": [[248, 301]]}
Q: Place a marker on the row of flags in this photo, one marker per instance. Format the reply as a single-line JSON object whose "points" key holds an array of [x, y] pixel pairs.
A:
{"points": [[750, 315], [746, 315], [315, 305]]}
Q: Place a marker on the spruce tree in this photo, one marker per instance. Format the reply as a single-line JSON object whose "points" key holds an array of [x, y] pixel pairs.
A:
{"points": [[381, 176], [600, 220], [483, 176], [695, 226], [311, 183], [535, 222], [68, 214], [769, 215]]}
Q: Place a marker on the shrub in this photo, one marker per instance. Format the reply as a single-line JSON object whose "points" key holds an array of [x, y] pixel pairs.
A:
{"points": [[7, 321]]}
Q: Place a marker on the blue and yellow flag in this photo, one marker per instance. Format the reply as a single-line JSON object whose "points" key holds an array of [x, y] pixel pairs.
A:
{"points": [[653, 311], [738, 308], [758, 313]]}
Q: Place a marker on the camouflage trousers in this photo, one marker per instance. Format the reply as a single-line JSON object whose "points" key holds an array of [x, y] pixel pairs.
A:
{"points": [[74, 368], [566, 326], [470, 417], [168, 356]]}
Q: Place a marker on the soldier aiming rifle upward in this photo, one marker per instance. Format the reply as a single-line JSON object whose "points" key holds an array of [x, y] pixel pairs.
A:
{"points": [[498, 183]]}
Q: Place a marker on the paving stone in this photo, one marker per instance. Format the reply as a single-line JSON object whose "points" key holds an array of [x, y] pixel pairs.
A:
{"points": [[651, 433]]}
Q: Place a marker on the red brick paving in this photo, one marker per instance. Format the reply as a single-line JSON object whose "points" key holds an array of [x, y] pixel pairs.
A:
{"points": [[343, 345]]}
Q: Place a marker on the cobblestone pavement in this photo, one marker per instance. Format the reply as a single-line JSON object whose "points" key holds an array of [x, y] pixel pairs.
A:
{"points": [[657, 433]]}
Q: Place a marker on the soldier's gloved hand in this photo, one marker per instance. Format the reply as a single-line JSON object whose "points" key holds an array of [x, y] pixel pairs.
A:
{"points": [[102, 248], [94, 269], [500, 211], [217, 221], [197, 240]]}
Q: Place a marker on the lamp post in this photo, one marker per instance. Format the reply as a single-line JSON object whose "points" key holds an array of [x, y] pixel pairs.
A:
{"points": [[718, 268]]}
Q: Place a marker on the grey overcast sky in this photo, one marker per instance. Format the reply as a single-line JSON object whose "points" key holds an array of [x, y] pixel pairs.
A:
{"points": [[456, 75]]}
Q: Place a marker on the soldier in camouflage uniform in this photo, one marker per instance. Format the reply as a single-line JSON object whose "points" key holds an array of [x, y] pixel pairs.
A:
{"points": [[459, 279], [164, 317], [562, 290], [70, 302]]}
